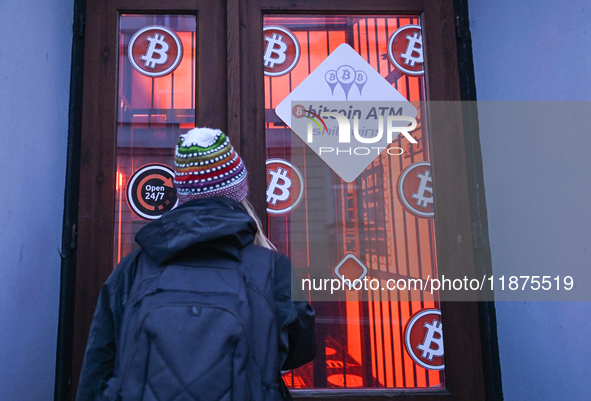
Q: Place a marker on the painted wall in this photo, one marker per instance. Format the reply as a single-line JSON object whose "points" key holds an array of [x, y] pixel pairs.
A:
{"points": [[34, 93], [537, 187]]}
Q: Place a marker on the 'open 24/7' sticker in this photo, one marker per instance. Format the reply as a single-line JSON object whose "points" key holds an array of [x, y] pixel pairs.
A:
{"points": [[151, 192]]}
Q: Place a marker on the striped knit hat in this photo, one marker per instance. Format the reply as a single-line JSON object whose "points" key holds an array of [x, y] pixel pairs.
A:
{"points": [[207, 165]]}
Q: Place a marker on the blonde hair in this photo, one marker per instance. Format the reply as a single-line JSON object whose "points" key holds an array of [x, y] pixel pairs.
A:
{"points": [[259, 238]]}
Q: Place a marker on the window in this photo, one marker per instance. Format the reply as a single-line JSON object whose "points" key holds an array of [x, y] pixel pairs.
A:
{"points": [[131, 121]]}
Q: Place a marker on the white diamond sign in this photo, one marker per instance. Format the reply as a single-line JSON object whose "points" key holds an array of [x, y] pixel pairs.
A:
{"points": [[348, 113]]}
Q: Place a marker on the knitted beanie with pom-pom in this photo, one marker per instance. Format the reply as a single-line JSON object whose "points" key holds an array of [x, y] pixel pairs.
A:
{"points": [[207, 165]]}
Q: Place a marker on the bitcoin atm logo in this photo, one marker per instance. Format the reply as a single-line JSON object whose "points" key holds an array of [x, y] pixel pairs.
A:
{"points": [[405, 49], [415, 189], [282, 50], [155, 51], [151, 192], [285, 186], [424, 339]]}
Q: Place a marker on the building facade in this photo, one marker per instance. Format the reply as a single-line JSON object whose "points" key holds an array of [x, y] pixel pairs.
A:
{"points": [[86, 145]]}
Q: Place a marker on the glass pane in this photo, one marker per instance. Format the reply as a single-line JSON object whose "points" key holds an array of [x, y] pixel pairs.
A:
{"points": [[156, 104], [380, 221]]}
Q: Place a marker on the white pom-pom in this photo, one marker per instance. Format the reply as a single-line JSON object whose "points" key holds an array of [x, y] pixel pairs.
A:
{"points": [[203, 137]]}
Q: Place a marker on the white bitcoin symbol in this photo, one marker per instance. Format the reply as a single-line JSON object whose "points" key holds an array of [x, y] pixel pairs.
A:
{"points": [[272, 42], [423, 200], [280, 174], [157, 40], [299, 111], [411, 48], [432, 329]]}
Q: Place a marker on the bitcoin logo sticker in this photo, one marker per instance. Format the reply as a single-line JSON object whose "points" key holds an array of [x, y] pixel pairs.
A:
{"points": [[157, 46], [414, 50], [405, 49], [424, 194], [434, 337], [424, 339], [282, 51], [285, 186], [155, 51], [275, 45], [415, 189], [279, 181]]}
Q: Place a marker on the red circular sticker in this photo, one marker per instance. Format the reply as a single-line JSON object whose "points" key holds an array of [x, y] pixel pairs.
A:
{"points": [[405, 49], [151, 191], [424, 339], [285, 186], [415, 189], [155, 51], [282, 50]]}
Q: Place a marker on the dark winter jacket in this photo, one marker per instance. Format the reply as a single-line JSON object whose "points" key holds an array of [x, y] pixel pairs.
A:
{"points": [[212, 227]]}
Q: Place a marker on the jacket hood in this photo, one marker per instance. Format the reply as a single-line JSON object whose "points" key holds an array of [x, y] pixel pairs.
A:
{"points": [[214, 223]]}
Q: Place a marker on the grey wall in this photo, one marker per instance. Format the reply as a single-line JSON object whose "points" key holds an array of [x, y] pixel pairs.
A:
{"points": [[35, 47], [537, 186]]}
